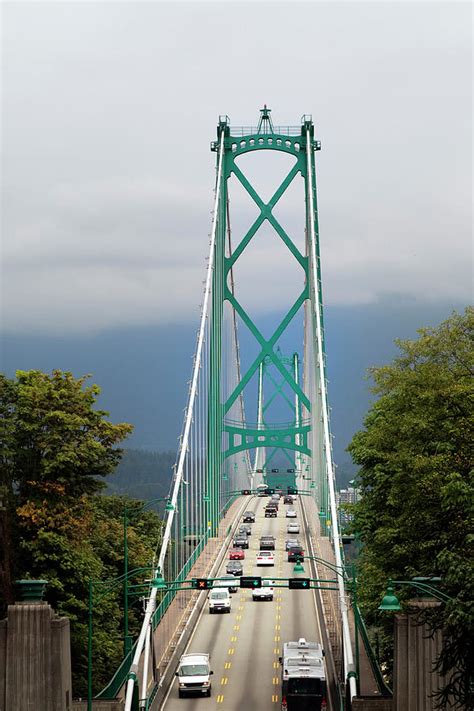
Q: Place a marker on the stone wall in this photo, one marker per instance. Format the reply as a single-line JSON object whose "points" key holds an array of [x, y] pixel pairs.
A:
{"points": [[35, 659], [415, 653]]}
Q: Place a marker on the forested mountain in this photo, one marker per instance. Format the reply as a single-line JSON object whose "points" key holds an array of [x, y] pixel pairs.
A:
{"points": [[142, 474], [143, 385]]}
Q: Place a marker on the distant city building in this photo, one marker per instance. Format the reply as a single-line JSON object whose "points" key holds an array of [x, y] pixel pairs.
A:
{"points": [[346, 496]]}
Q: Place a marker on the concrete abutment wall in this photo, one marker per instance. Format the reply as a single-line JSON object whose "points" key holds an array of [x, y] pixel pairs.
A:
{"points": [[35, 659]]}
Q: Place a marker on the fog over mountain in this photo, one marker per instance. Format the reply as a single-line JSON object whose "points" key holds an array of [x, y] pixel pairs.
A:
{"points": [[143, 372]]}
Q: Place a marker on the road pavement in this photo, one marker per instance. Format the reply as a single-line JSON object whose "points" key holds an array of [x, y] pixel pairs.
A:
{"points": [[245, 645]]}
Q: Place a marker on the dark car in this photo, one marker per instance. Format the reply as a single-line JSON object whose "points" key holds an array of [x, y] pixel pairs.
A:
{"points": [[271, 512], [226, 582], [288, 499], [234, 567], [290, 542], [267, 543], [249, 517], [241, 542], [245, 529], [295, 553]]}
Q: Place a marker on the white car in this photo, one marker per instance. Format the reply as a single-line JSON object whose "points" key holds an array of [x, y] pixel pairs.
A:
{"points": [[290, 513], [219, 600], [265, 592], [265, 558], [293, 528]]}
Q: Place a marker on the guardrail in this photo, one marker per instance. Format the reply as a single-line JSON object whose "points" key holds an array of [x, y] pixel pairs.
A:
{"points": [[112, 689], [383, 687], [253, 131]]}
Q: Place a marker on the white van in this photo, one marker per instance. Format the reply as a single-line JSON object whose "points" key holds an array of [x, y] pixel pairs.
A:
{"points": [[194, 674], [219, 600]]}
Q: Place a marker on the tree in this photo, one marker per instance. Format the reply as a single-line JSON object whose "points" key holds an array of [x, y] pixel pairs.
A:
{"points": [[54, 448], [415, 513]]}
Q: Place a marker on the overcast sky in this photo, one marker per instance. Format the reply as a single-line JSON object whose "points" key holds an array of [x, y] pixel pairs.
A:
{"points": [[108, 110]]}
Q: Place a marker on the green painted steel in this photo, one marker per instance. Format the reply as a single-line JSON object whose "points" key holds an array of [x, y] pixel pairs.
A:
{"points": [[238, 142], [280, 438], [227, 438]]}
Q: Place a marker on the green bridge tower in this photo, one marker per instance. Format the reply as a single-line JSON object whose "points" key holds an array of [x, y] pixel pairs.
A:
{"points": [[226, 436]]}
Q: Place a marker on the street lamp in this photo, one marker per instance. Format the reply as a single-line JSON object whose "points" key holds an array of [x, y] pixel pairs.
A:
{"points": [[352, 588], [391, 602]]}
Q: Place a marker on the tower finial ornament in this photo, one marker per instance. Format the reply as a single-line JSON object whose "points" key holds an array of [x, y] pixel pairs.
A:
{"points": [[265, 124]]}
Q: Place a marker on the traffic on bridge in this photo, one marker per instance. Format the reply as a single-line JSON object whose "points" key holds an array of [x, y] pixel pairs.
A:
{"points": [[245, 646]]}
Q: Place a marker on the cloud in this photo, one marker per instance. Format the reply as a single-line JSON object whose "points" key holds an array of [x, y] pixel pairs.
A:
{"points": [[108, 179]]}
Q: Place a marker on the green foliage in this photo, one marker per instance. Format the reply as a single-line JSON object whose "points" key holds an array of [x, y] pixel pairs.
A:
{"points": [[54, 434], [54, 449], [415, 514]]}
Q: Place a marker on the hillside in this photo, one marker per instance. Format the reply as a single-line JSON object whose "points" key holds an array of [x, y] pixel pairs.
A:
{"points": [[142, 474]]}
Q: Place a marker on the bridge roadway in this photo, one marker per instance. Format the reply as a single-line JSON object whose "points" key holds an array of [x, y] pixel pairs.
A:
{"points": [[244, 645]]}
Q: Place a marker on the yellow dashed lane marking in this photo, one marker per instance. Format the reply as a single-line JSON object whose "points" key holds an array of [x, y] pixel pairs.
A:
{"points": [[274, 698], [276, 650], [277, 627], [276, 680], [230, 651], [277, 616], [220, 699], [224, 680], [227, 665], [238, 617], [236, 627], [276, 665], [277, 638], [233, 639]]}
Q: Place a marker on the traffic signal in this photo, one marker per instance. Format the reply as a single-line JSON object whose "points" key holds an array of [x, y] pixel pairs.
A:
{"points": [[290, 471], [259, 471], [292, 490], [270, 491], [246, 492], [298, 583], [275, 471], [202, 583], [247, 581]]}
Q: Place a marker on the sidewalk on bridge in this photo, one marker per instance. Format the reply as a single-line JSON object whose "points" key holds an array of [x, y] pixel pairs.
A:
{"points": [[176, 617], [330, 599]]}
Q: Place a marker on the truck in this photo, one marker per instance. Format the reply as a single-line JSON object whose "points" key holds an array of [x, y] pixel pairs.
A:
{"points": [[194, 674], [303, 677]]}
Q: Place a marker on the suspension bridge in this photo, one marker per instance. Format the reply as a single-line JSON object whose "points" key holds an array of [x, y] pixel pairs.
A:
{"points": [[231, 444]]}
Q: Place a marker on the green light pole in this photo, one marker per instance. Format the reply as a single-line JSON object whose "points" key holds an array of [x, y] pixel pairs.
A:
{"points": [[106, 587], [127, 640], [351, 584], [391, 602]]}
